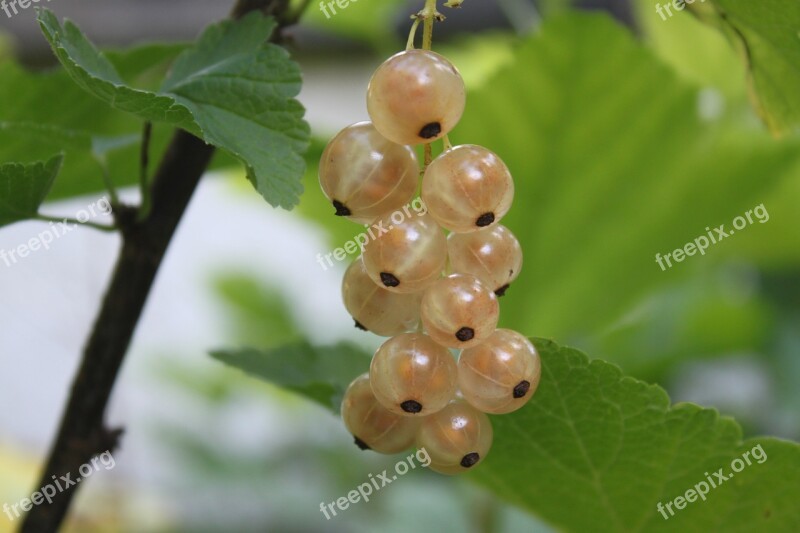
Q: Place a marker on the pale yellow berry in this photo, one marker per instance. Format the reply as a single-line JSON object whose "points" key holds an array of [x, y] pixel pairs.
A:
{"points": [[416, 97], [467, 188], [373, 426], [493, 255], [501, 374], [412, 375], [408, 253], [459, 311], [376, 309], [365, 175], [456, 438]]}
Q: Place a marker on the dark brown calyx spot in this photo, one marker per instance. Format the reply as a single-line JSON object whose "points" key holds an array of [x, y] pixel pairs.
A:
{"points": [[360, 326], [430, 131], [470, 459], [361, 444], [411, 406], [502, 290], [484, 220], [522, 389], [390, 280], [465, 334], [341, 209]]}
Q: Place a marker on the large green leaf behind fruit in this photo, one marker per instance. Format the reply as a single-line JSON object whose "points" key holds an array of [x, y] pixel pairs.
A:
{"points": [[614, 164], [767, 36]]}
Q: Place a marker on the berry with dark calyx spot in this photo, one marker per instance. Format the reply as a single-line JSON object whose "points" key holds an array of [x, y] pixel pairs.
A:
{"points": [[459, 311], [456, 438], [376, 309], [373, 426], [492, 255], [365, 175], [467, 188], [501, 374], [408, 255], [416, 97], [411, 375]]}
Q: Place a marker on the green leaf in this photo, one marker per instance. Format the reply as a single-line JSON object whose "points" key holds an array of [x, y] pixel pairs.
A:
{"points": [[231, 89], [611, 446], [613, 164], [23, 188], [321, 374], [767, 36], [592, 440]]}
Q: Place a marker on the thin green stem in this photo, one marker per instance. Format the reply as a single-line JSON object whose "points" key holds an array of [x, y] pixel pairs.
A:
{"points": [[112, 190], [413, 33], [428, 16], [76, 222]]}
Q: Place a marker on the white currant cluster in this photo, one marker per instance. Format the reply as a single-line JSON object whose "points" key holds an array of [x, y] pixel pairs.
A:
{"points": [[427, 291]]}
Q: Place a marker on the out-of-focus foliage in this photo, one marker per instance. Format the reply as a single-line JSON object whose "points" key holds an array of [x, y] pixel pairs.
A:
{"points": [[765, 35], [25, 187]]}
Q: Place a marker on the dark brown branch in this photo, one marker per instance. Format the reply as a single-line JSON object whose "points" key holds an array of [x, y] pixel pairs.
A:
{"points": [[83, 433]]}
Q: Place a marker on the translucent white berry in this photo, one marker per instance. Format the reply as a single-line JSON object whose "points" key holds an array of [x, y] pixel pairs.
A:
{"points": [[373, 426], [501, 374], [467, 188], [493, 255], [376, 309], [459, 311], [408, 253], [456, 438], [416, 97], [412, 375], [365, 175]]}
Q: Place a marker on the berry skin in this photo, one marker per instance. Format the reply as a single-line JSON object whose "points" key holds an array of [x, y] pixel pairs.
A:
{"points": [[416, 97], [459, 311], [493, 255], [456, 438], [500, 375], [372, 425], [376, 309], [412, 375], [467, 188], [409, 256], [364, 175]]}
